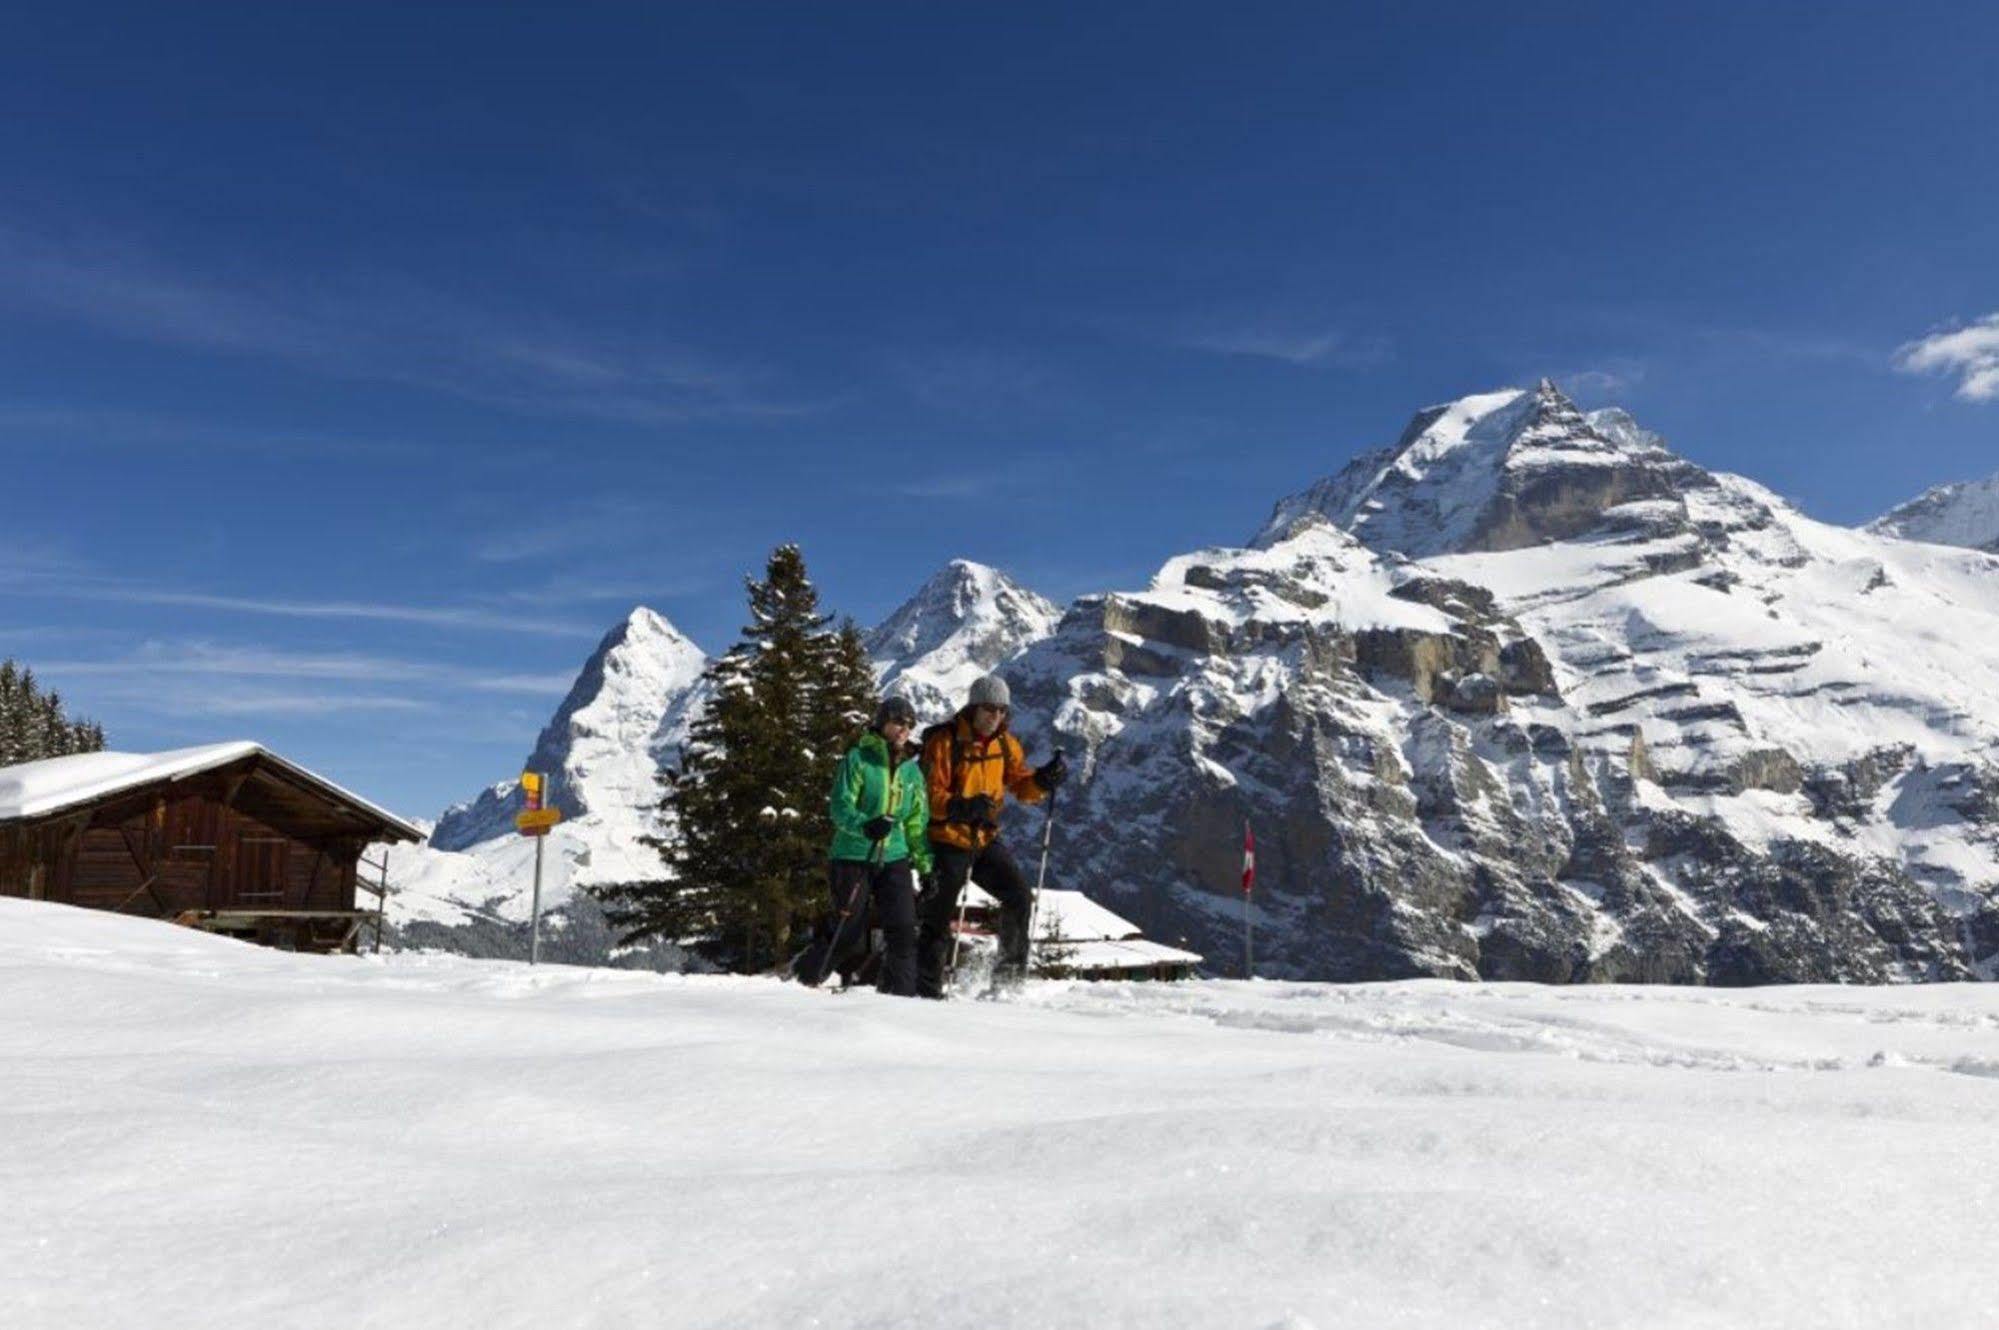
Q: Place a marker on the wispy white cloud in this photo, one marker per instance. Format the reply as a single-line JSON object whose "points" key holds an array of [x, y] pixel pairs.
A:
{"points": [[969, 485], [1788, 344], [40, 571], [71, 426], [580, 588], [593, 524], [1971, 352], [155, 659], [1605, 381], [376, 326], [973, 380], [206, 703], [1318, 348], [430, 616]]}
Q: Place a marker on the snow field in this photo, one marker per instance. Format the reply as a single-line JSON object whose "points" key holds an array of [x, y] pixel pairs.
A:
{"points": [[196, 1132]]}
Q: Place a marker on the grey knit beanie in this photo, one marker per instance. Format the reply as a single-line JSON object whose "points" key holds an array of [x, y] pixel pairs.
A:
{"points": [[989, 690]]}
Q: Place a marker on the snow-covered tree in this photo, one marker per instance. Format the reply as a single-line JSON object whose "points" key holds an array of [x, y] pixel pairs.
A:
{"points": [[33, 724], [746, 806]]}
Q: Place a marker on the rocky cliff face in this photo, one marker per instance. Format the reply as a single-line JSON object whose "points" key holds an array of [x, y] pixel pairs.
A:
{"points": [[1498, 471], [1561, 706], [1524, 696]]}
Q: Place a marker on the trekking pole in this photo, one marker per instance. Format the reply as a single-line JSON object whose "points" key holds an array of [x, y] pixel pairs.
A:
{"points": [[1040, 877], [851, 909], [957, 937]]}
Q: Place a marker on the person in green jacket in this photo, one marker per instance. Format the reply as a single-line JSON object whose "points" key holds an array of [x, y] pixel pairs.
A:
{"points": [[880, 813]]}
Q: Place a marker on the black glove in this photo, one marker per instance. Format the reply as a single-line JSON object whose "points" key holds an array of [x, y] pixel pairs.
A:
{"points": [[877, 829], [1050, 774], [980, 810]]}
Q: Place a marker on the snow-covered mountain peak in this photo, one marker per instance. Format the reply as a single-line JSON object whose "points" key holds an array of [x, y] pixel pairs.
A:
{"points": [[1492, 471], [962, 622], [1965, 513], [628, 704]]}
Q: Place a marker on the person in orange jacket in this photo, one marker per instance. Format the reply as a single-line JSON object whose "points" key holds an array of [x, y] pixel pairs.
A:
{"points": [[970, 764]]}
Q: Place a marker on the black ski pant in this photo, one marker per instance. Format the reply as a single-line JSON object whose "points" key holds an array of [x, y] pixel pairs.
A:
{"points": [[993, 869], [842, 943]]}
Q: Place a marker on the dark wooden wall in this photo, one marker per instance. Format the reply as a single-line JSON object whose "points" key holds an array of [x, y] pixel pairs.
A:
{"points": [[157, 856]]}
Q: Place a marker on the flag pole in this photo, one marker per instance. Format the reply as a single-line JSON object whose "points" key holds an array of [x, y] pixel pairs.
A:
{"points": [[1248, 881]]}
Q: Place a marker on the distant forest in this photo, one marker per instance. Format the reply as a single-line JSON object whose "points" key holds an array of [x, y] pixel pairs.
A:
{"points": [[32, 723]]}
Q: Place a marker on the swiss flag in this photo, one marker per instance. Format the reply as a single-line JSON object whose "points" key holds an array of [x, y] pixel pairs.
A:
{"points": [[1248, 858]]}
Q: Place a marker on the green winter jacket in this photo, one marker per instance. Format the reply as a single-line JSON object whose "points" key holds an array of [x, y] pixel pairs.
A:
{"points": [[864, 788]]}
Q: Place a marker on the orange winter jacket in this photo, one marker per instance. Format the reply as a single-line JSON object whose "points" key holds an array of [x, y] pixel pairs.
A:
{"points": [[958, 764]]}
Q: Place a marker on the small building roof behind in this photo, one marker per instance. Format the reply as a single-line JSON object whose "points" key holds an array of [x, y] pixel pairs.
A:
{"points": [[1071, 914], [34, 789], [1133, 954]]}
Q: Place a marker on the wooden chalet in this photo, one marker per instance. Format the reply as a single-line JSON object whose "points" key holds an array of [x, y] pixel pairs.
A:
{"points": [[1076, 938], [229, 837]]}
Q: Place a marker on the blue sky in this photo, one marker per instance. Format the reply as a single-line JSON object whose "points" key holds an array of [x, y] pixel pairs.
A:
{"points": [[359, 365]]}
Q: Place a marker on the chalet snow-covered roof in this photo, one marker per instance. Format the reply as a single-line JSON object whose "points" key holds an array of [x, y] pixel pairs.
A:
{"points": [[1091, 936], [1132, 954], [32, 789], [1070, 915]]}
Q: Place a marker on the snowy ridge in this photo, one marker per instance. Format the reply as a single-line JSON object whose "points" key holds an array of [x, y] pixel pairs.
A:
{"points": [[1525, 696], [628, 709], [960, 624], [1561, 706], [490, 1145], [1966, 513], [1474, 474], [600, 750], [625, 716]]}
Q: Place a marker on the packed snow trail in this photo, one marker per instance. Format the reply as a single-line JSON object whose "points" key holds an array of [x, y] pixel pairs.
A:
{"points": [[196, 1133]]}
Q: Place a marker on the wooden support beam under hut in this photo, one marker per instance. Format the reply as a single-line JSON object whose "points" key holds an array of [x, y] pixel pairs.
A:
{"points": [[230, 838]]}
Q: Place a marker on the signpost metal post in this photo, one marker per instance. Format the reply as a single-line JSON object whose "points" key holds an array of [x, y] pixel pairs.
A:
{"points": [[535, 820]]}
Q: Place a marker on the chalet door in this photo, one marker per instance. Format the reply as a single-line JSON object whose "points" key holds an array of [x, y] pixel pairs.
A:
{"points": [[260, 871]]}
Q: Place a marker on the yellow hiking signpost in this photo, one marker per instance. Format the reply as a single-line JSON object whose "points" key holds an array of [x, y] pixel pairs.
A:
{"points": [[535, 820]]}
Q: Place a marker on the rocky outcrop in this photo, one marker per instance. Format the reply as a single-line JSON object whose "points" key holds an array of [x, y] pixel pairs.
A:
{"points": [[965, 619], [1538, 708], [1504, 471], [1523, 696]]}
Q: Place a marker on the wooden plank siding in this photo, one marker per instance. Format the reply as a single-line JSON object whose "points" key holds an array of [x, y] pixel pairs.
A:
{"points": [[241, 838]]}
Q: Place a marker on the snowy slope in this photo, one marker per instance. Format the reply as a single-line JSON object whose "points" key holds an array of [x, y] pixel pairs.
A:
{"points": [[450, 1143], [1491, 471], [601, 749], [960, 624], [1559, 705], [1966, 513], [629, 707], [469, 888], [1525, 695]]}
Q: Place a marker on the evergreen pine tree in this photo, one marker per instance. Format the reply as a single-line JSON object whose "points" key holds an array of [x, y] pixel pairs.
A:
{"points": [[846, 698], [54, 741], [27, 719], [10, 710], [746, 808], [33, 726]]}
